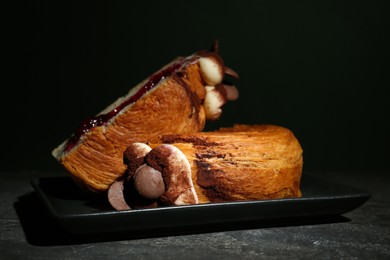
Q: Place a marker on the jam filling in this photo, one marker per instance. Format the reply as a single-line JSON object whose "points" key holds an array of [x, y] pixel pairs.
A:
{"points": [[102, 119]]}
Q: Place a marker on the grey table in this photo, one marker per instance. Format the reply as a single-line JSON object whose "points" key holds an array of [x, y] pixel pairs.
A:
{"points": [[28, 232]]}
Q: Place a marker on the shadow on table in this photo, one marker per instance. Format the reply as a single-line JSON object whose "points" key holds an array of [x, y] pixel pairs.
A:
{"points": [[41, 229]]}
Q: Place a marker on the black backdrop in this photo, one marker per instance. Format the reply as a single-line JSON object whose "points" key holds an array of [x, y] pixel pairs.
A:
{"points": [[319, 68]]}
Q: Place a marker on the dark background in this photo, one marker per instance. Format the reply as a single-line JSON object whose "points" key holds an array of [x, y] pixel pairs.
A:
{"points": [[319, 68]]}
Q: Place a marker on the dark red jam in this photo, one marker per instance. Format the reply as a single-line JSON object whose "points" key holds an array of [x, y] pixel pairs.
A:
{"points": [[102, 119]]}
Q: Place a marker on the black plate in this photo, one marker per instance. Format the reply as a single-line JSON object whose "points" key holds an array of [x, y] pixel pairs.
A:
{"points": [[80, 214]]}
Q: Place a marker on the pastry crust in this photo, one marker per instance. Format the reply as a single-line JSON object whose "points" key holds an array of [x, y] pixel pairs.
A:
{"points": [[174, 106], [245, 162]]}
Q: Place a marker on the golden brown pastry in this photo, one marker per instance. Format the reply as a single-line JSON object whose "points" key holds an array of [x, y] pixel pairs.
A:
{"points": [[245, 162], [178, 98]]}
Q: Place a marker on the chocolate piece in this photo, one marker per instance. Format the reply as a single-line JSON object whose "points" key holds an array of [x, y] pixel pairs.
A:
{"points": [[149, 182], [133, 157], [176, 171], [231, 72], [134, 199], [229, 92], [116, 196]]}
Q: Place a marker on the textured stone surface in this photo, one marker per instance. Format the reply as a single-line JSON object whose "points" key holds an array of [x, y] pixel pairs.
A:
{"points": [[27, 232]]}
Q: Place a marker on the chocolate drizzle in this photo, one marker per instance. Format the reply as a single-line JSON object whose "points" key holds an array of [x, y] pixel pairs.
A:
{"points": [[194, 99], [210, 154], [197, 141], [207, 178]]}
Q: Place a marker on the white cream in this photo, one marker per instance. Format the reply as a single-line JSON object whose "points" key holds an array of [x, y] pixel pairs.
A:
{"points": [[213, 102], [211, 70]]}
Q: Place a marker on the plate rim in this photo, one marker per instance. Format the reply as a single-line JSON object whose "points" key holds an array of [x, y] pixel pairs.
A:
{"points": [[71, 222]]}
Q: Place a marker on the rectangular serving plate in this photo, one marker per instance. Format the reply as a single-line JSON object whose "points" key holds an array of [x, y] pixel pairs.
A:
{"points": [[80, 214]]}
